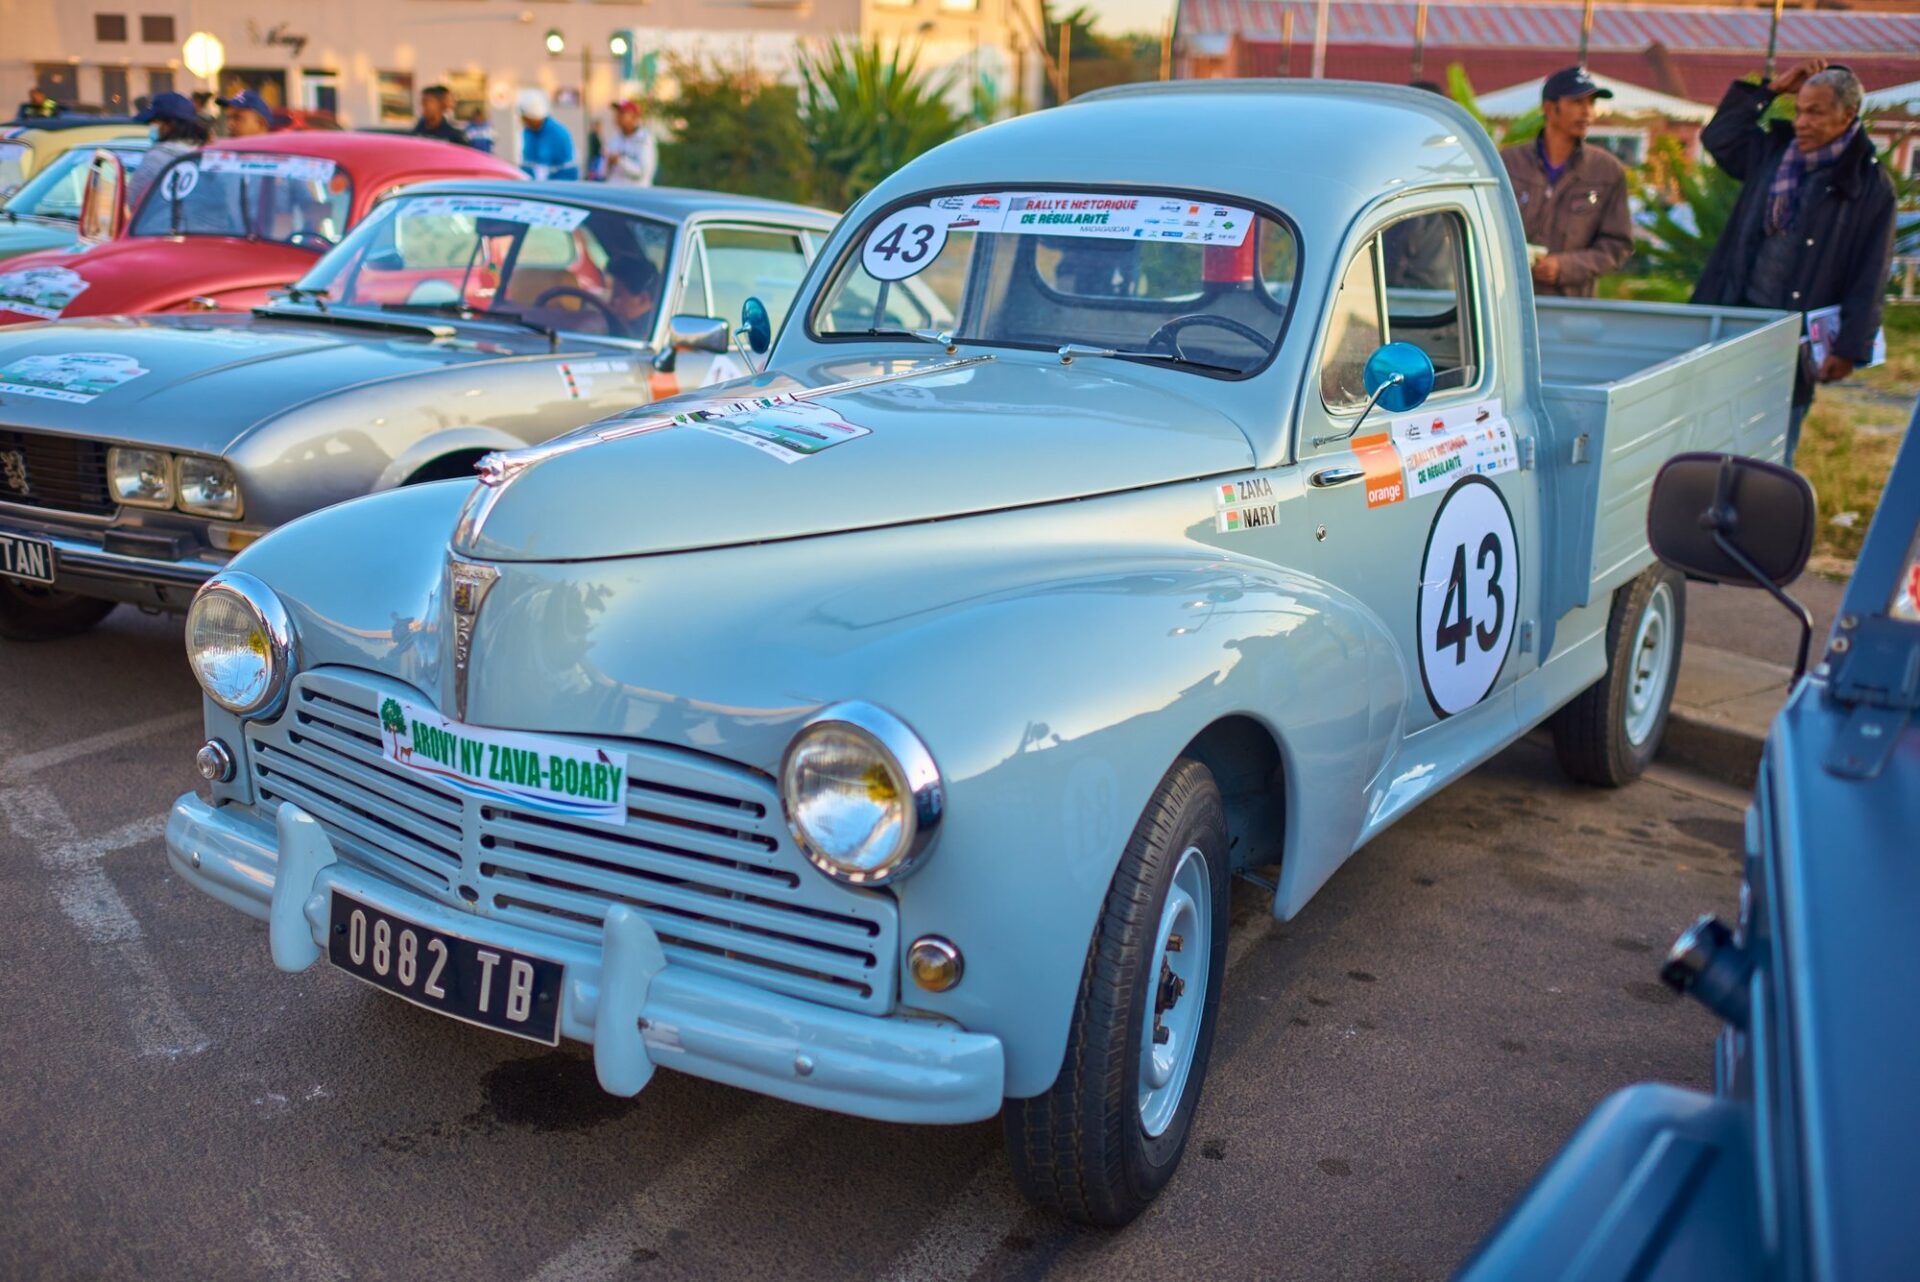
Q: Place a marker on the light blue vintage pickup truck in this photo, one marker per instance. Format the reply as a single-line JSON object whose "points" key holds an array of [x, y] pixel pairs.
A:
{"points": [[1177, 485]]}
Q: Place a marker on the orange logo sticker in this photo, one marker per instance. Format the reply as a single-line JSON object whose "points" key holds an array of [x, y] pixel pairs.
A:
{"points": [[1385, 482]]}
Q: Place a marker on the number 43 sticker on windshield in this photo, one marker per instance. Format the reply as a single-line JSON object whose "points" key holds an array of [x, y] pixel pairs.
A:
{"points": [[1469, 581], [905, 242]]}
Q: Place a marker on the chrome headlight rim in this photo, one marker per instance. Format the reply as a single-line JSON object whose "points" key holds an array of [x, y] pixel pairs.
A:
{"points": [[911, 762], [211, 512], [282, 643], [168, 463]]}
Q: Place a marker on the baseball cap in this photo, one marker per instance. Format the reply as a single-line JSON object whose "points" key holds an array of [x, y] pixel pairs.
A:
{"points": [[248, 100], [176, 107], [628, 104], [1572, 82]]}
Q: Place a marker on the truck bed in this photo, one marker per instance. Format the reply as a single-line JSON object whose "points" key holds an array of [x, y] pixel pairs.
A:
{"points": [[1629, 385]]}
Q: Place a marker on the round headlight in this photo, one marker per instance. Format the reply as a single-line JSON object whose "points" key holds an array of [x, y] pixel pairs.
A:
{"points": [[240, 643], [862, 794]]}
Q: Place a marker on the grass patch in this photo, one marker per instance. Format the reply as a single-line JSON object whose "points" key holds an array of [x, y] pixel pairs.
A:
{"points": [[1900, 372], [1848, 468]]}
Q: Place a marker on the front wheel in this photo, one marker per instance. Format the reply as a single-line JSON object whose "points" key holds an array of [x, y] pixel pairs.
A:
{"points": [[1103, 1141], [29, 612], [1607, 736]]}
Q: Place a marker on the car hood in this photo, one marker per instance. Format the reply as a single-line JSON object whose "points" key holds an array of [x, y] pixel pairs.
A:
{"points": [[33, 235], [200, 383], [866, 444], [151, 273]]}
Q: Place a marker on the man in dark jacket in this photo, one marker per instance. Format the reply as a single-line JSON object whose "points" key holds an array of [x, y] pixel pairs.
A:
{"points": [[1813, 226], [1572, 194], [436, 116]]}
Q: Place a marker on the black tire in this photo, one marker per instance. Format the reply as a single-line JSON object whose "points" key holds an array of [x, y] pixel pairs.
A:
{"points": [[29, 612], [1592, 735], [1081, 1148]]}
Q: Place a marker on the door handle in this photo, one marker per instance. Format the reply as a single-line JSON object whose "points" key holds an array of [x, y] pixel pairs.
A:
{"points": [[1328, 477]]}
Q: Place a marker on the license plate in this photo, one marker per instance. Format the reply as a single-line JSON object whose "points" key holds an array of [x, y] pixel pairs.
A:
{"points": [[25, 558], [486, 985]]}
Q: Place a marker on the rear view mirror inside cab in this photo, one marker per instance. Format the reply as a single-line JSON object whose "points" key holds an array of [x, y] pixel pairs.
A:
{"points": [[1728, 519]]}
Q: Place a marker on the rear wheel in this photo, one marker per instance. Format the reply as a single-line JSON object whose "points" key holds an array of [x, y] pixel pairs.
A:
{"points": [[30, 612], [1103, 1141], [1608, 735]]}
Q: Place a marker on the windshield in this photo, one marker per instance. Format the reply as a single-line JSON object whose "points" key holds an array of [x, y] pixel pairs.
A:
{"points": [[57, 190], [294, 200], [13, 164], [1202, 284], [592, 271]]}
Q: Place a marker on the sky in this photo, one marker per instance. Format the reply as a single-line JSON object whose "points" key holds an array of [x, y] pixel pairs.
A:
{"points": [[1117, 16]]}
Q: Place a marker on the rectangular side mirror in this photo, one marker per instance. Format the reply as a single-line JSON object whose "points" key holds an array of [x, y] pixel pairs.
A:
{"points": [[1766, 511], [698, 334]]}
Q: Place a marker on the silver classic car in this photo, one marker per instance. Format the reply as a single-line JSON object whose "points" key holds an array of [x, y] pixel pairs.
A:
{"points": [[138, 454]]}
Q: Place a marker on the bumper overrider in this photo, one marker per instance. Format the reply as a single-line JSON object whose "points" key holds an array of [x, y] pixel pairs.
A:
{"points": [[636, 1009]]}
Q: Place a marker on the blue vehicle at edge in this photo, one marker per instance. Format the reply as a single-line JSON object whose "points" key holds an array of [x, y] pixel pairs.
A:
{"points": [[1805, 1161]]}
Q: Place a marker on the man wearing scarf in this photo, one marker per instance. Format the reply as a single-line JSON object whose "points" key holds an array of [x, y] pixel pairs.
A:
{"points": [[1813, 226]]}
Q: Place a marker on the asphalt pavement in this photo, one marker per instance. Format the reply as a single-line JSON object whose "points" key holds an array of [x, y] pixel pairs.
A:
{"points": [[1394, 1065]]}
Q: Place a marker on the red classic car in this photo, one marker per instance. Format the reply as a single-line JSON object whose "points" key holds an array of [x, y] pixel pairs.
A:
{"points": [[220, 227]]}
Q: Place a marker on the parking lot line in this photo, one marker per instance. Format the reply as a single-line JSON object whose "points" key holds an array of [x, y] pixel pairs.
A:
{"points": [[678, 1193], [27, 764], [80, 884], [972, 1228], [293, 1250]]}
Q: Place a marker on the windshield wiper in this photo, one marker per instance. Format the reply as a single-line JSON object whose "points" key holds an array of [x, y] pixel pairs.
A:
{"points": [[295, 294], [1067, 351], [454, 307], [942, 338]]}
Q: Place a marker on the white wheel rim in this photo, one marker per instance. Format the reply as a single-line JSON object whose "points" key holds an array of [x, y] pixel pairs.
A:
{"points": [[1176, 992], [1650, 665]]}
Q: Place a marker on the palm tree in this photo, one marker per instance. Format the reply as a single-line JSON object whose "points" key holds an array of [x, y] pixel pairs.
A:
{"points": [[868, 111]]}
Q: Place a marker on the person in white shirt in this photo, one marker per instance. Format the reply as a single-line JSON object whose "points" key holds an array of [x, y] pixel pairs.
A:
{"points": [[628, 153]]}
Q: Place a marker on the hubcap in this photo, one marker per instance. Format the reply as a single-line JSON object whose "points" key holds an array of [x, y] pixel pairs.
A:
{"points": [[1176, 992], [1652, 665]]}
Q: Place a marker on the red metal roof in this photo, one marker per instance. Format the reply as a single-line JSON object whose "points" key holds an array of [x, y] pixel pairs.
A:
{"points": [[1616, 28]]}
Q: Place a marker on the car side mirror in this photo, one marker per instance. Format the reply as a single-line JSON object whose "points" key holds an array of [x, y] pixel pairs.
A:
{"points": [[1399, 376], [1743, 521], [757, 325], [697, 334], [103, 211]]}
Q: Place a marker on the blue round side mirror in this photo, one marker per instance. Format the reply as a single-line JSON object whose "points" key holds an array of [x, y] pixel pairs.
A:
{"points": [[1415, 369], [758, 327]]}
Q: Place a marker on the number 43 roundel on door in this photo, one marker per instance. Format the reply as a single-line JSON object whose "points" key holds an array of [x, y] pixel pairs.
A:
{"points": [[1469, 581]]}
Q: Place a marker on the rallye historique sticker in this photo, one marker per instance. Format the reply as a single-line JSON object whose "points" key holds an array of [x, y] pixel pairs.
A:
{"points": [[530, 770]]}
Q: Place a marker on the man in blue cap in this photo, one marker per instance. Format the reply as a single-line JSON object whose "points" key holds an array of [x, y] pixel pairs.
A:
{"points": [[1573, 198], [247, 115], [176, 129]]}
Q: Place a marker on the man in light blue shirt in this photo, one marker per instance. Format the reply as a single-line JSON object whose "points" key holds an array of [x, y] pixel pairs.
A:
{"points": [[546, 148]]}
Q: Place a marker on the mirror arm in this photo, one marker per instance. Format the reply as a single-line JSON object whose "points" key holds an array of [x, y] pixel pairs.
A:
{"points": [[746, 354], [1393, 380], [1799, 611]]}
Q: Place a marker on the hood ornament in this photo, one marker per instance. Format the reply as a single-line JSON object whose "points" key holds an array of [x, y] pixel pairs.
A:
{"points": [[467, 587]]}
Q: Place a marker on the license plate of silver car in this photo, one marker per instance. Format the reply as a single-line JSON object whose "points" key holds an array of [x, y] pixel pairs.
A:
{"points": [[25, 558], [477, 983]]}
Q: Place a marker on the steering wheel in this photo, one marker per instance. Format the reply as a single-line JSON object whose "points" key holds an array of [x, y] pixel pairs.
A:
{"points": [[1169, 333], [614, 324]]}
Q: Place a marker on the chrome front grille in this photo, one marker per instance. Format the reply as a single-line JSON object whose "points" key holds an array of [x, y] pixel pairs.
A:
{"points": [[62, 473], [704, 854]]}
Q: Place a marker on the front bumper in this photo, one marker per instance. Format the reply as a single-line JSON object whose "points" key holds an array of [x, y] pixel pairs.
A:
{"points": [[638, 1011], [90, 564]]}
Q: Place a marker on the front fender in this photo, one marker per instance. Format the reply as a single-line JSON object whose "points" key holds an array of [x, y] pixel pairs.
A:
{"points": [[452, 440]]}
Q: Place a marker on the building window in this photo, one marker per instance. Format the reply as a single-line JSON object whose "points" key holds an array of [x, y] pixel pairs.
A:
{"points": [[156, 28], [159, 81], [396, 96], [1629, 147], [320, 91], [960, 6], [56, 80], [110, 28], [113, 90]]}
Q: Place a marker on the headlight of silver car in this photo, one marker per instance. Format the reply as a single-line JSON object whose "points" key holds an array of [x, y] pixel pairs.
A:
{"points": [[140, 478], [862, 794], [207, 487], [241, 645]]}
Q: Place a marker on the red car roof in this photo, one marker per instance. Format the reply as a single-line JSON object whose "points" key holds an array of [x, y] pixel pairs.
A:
{"points": [[377, 159]]}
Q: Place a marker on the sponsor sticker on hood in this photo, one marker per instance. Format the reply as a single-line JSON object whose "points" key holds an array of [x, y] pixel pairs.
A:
{"points": [[41, 292], [73, 377], [781, 427]]}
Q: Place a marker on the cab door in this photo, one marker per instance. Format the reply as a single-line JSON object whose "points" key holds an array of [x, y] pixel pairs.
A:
{"points": [[1429, 514]]}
